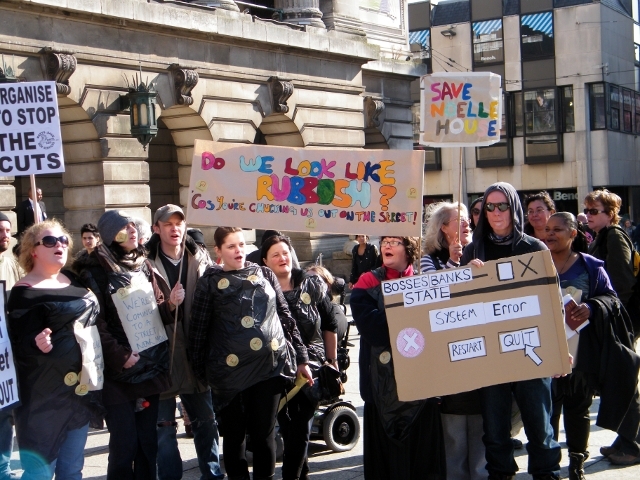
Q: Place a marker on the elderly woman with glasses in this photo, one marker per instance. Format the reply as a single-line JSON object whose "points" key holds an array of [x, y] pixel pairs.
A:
{"points": [[402, 440], [539, 207], [46, 308], [461, 413]]}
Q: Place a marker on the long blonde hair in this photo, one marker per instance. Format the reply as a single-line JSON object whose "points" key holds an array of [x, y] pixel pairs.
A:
{"points": [[32, 235]]}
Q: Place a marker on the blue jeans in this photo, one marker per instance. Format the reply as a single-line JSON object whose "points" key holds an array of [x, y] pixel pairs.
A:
{"points": [[68, 465], [205, 437], [534, 400], [6, 442]]}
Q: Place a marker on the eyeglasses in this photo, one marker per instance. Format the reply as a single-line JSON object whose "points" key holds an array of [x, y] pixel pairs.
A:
{"points": [[50, 241], [391, 243], [502, 206], [475, 211], [537, 211], [593, 211], [455, 219]]}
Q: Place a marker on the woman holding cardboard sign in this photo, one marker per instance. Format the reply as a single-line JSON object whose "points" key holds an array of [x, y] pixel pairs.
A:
{"points": [[402, 440], [50, 311], [133, 309]]}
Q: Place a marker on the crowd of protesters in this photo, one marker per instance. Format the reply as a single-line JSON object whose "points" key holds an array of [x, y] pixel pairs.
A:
{"points": [[232, 337]]}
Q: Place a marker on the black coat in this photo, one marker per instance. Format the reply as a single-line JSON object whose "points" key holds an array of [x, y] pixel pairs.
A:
{"points": [[607, 356], [24, 213]]}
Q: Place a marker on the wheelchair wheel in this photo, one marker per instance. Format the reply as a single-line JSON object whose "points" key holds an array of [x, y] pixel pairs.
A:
{"points": [[341, 429]]}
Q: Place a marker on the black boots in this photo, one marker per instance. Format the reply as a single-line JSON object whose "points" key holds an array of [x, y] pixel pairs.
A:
{"points": [[576, 465]]}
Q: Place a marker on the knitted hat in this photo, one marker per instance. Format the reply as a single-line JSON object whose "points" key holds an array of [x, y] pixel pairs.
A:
{"points": [[4, 218], [110, 223]]}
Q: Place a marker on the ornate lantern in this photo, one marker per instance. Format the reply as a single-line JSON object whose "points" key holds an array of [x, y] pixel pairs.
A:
{"points": [[142, 110]]}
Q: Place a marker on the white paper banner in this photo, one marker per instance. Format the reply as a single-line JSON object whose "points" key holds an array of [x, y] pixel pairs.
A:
{"points": [[8, 374], [460, 109], [138, 312], [91, 375], [30, 138]]}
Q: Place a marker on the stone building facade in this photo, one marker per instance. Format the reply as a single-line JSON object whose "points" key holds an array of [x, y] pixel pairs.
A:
{"points": [[305, 73]]}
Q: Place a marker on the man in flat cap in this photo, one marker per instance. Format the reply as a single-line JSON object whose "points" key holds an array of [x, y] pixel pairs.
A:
{"points": [[165, 252]]}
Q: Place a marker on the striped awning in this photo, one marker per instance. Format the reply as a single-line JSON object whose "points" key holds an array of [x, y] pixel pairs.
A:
{"points": [[421, 37], [484, 28], [540, 22]]}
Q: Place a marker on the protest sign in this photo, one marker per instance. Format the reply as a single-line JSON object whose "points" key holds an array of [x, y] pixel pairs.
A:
{"points": [[92, 374], [460, 109], [306, 190], [457, 330], [138, 312], [8, 374], [30, 138]]}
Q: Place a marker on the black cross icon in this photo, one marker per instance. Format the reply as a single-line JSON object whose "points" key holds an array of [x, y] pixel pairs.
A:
{"points": [[527, 267]]}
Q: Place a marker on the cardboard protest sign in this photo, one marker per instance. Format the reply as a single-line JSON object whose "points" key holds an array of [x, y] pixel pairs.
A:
{"points": [[460, 109], [306, 190], [30, 138], [8, 375], [456, 330], [138, 312]]}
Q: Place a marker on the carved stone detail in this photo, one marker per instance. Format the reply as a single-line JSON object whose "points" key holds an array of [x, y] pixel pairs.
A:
{"points": [[280, 91], [184, 79], [222, 4], [58, 66], [372, 110], [301, 12]]}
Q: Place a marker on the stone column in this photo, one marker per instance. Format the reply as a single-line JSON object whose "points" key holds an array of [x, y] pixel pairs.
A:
{"points": [[223, 4], [342, 16], [301, 12]]}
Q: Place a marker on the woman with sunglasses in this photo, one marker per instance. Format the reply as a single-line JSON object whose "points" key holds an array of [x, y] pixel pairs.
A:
{"points": [[499, 234], [539, 208], [311, 308], [133, 379], [402, 440], [461, 413], [474, 208], [614, 247], [44, 308], [242, 340]]}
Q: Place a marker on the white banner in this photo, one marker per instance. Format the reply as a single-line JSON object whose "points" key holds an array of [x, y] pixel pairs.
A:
{"points": [[138, 312], [30, 138], [372, 192], [460, 109], [8, 374]]}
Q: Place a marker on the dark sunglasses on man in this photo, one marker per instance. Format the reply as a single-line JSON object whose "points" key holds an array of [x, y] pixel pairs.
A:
{"points": [[50, 241], [502, 206]]}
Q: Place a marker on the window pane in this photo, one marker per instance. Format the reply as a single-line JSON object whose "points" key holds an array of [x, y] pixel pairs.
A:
{"points": [[567, 109], [637, 112], [543, 148], [614, 103], [494, 155], [536, 31], [487, 42], [540, 111], [627, 124], [432, 159], [598, 110]]}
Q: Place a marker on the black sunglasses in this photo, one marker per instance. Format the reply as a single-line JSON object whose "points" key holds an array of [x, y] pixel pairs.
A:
{"points": [[593, 211], [502, 206], [475, 211], [50, 241]]}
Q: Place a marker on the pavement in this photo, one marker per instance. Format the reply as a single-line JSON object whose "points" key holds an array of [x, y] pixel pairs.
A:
{"points": [[328, 465]]}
